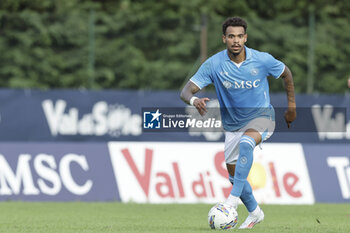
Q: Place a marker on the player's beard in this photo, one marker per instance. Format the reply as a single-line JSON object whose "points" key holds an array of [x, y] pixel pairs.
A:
{"points": [[235, 54]]}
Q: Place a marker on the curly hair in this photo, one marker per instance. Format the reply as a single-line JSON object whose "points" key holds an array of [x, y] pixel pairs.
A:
{"points": [[234, 21]]}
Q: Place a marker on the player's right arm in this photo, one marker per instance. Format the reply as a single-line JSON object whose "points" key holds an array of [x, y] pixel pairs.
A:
{"points": [[274, 68], [187, 95], [199, 80]]}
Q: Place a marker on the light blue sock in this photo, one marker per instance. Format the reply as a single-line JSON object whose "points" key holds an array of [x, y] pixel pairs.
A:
{"points": [[244, 163], [247, 196]]}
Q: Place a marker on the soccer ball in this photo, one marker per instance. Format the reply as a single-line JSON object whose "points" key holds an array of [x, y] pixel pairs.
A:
{"points": [[222, 217]]}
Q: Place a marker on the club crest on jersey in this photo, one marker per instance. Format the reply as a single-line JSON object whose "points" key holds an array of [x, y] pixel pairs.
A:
{"points": [[254, 72], [227, 84]]}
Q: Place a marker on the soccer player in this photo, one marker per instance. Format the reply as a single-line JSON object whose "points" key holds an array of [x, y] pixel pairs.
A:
{"points": [[239, 75]]}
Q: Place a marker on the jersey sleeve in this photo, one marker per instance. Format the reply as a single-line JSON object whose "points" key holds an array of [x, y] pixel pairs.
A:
{"points": [[274, 67], [202, 77]]}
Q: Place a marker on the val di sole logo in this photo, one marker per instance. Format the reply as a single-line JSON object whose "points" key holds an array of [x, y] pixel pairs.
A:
{"points": [[152, 119]]}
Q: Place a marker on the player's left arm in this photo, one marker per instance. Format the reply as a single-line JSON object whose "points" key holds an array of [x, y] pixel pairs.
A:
{"points": [[291, 113]]}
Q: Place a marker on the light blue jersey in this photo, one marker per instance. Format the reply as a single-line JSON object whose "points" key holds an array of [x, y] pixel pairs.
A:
{"points": [[242, 91]]}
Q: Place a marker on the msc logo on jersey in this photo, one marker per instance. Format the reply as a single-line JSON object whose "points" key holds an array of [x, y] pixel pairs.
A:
{"points": [[151, 120], [242, 84]]}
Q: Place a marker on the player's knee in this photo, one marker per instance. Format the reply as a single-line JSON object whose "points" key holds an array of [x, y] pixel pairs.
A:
{"points": [[246, 152], [246, 144], [245, 148]]}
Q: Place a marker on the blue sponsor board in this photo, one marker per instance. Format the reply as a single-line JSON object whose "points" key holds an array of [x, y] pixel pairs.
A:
{"points": [[73, 115], [56, 172], [329, 170]]}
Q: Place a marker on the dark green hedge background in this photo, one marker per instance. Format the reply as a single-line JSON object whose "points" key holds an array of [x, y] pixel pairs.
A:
{"points": [[151, 44]]}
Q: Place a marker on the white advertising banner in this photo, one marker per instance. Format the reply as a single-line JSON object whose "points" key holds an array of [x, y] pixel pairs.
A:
{"points": [[156, 172], [279, 175]]}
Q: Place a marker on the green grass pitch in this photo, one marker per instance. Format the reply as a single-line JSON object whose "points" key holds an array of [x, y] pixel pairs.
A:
{"points": [[105, 217]]}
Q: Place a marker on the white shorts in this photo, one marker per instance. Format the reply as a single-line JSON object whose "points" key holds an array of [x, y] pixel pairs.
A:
{"points": [[264, 126]]}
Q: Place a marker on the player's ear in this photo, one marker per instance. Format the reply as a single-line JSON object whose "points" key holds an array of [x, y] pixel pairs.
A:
{"points": [[245, 37], [224, 39]]}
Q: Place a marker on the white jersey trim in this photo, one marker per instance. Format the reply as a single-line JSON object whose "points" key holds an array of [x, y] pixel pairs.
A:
{"points": [[196, 84], [238, 64], [281, 72]]}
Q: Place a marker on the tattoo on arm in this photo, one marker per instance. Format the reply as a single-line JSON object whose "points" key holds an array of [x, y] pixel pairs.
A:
{"points": [[188, 91], [289, 86]]}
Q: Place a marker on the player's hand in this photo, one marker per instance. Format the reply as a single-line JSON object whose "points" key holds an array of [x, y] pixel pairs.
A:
{"points": [[200, 105], [290, 116]]}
